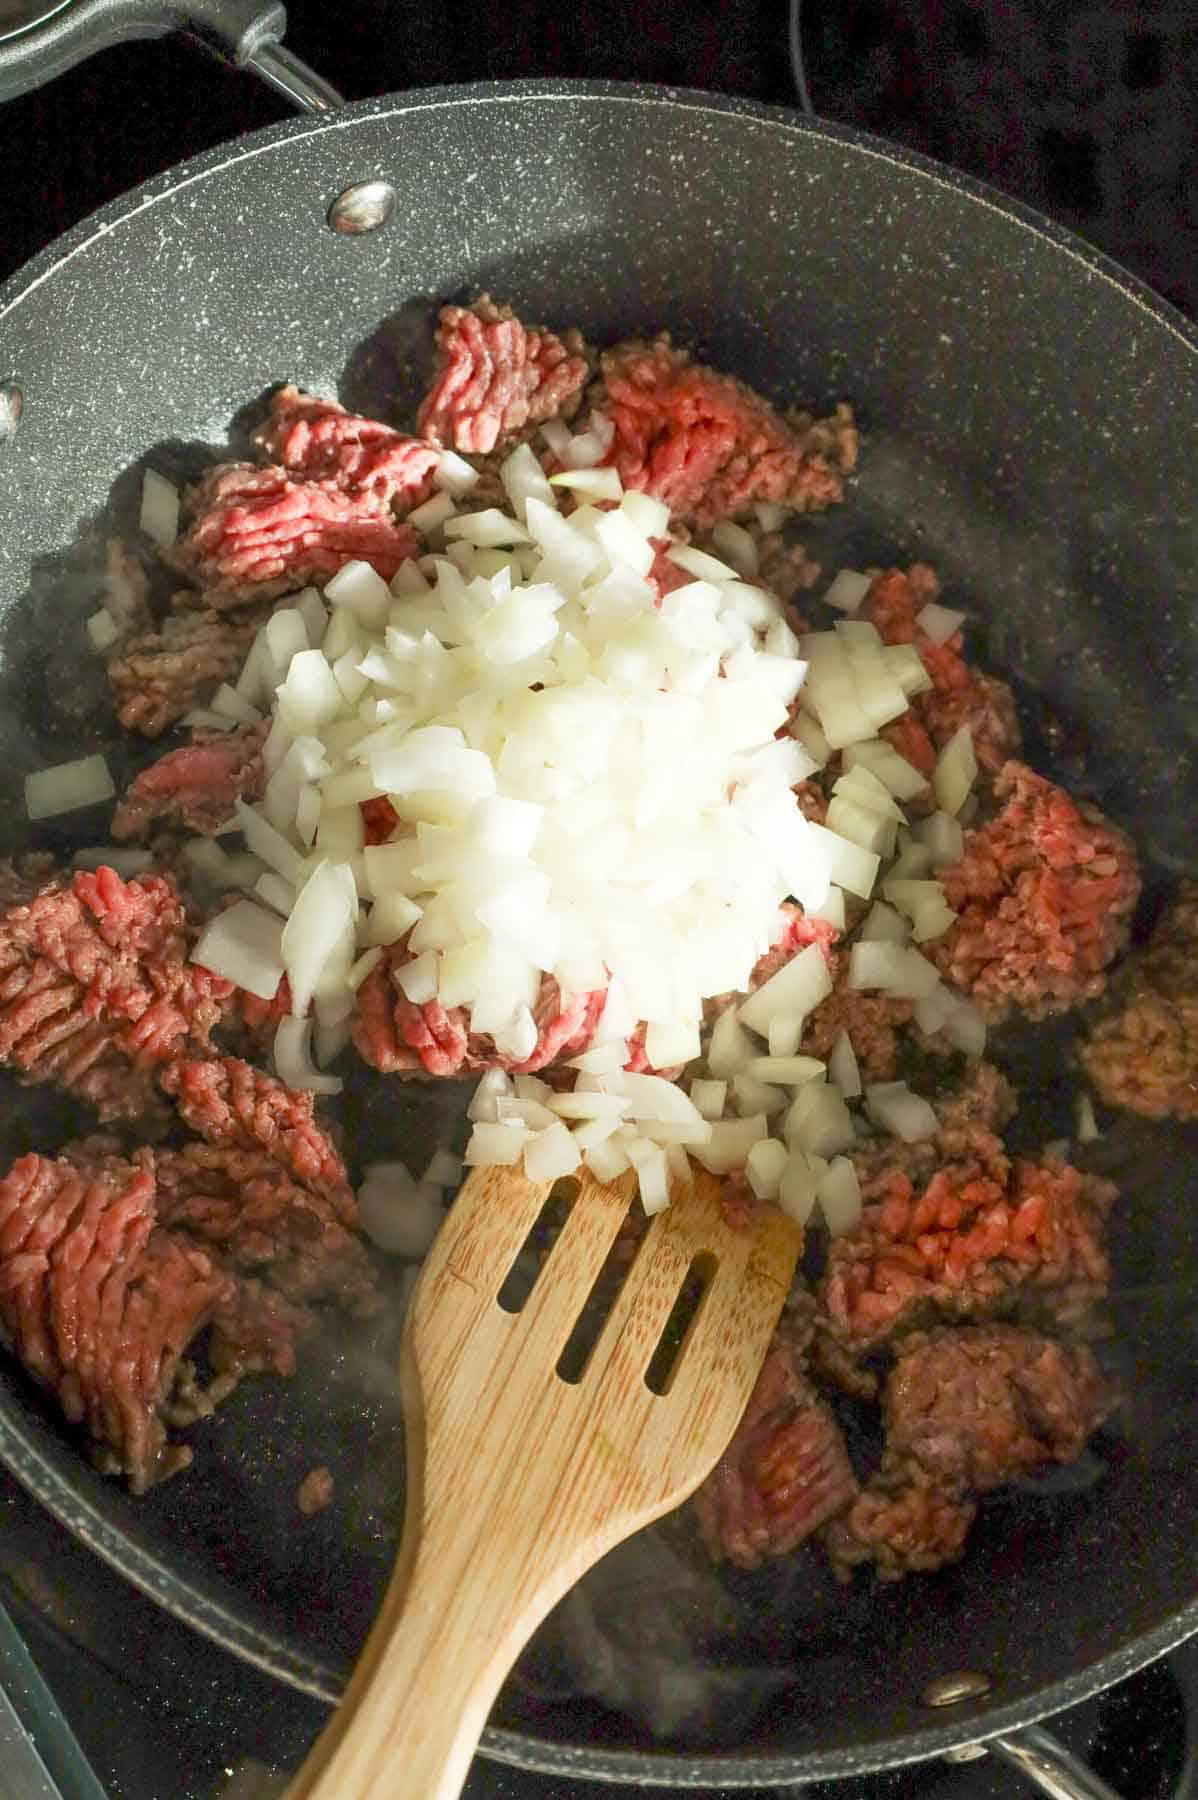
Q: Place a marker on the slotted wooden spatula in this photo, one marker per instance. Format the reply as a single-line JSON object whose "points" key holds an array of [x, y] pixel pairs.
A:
{"points": [[519, 1480]]}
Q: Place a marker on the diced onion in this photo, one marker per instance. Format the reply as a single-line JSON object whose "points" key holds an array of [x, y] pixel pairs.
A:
{"points": [[103, 630], [293, 1060], [244, 944], [797, 987], [120, 857], [905, 1115], [796, 1188], [730, 1142], [895, 968], [67, 787], [939, 623], [496, 1145], [551, 1153], [943, 837], [709, 1097], [955, 772], [159, 509], [847, 591], [839, 1194], [843, 1070], [764, 1165], [819, 1122]]}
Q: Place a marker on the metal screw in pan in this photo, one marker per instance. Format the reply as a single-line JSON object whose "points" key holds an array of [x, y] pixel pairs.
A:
{"points": [[12, 405], [363, 207]]}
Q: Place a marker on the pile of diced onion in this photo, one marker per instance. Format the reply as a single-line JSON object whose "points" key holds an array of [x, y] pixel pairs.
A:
{"points": [[596, 785]]}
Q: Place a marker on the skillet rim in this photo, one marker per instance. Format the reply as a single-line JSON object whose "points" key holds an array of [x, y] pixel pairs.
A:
{"points": [[51, 1484]]}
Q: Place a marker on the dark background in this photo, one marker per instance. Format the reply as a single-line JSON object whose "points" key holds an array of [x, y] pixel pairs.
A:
{"points": [[1086, 110]]}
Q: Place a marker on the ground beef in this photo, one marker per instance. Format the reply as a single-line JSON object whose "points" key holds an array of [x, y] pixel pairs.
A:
{"points": [[785, 1473], [96, 991], [787, 570], [1143, 1054], [317, 440], [979, 1238], [1043, 896], [257, 532], [23, 878], [960, 694], [709, 446], [901, 1524], [395, 1036], [796, 932], [496, 377], [966, 1412], [243, 1206], [874, 1023], [315, 1492], [976, 1408], [195, 787], [159, 675], [99, 1304], [379, 819], [229, 1104]]}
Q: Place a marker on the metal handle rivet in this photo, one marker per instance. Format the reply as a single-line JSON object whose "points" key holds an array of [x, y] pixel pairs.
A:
{"points": [[957, 1685], [12, 405], [363, 207]]}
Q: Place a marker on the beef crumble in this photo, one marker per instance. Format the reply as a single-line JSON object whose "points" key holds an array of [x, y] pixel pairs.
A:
{"points": [[1142, 1051]]}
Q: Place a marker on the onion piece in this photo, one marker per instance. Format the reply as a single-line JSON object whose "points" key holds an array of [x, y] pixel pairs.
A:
{"points": [[883, 925], [730, 1143], [847, 591], [843, 1069], [942, 835], [905, 1115], [551, 1153], [320, 929], [753, 1096], [731, 1049], [400, 1216], [103, 630], [791, 1071], [652, 1173], [819, 1122], [796, 1188], [797, 987], [293, 1061], [709, 1097], [838, 1192], [939, 623], [120, 857], [434, 513], [591, 483], [955, 772], [895, 968], [764, 1165], [159, 517], [68, 787], [738, 545], [454, 474], [244, 944], [607, 1160], [496, 1146]]}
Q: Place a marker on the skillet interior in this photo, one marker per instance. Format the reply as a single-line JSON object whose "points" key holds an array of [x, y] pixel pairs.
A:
{"points": [[1029, 417]]}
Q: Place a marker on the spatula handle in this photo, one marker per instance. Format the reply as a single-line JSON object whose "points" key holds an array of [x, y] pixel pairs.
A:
{"points": [[415, 1708]]}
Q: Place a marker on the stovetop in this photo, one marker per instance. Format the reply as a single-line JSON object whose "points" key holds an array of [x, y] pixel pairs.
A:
{"points": [[1084, 108]]}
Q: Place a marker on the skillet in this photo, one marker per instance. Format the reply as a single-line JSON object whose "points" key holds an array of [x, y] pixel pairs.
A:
{"points": [[1029, 413]]}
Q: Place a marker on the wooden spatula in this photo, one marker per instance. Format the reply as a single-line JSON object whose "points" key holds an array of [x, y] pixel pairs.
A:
{"points": [[519, 1480]]}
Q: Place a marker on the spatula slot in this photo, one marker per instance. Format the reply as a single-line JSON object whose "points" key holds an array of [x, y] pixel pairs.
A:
{"points": [[533, 1253], [695, 1287], [605, 1291]]}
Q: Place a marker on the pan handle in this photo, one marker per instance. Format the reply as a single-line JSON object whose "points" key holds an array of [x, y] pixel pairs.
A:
{"points": [[1045, 1760], [246, 33]]}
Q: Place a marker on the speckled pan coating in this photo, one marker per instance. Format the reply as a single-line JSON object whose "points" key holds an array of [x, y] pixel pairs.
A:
{"points": [[1031, 416]]}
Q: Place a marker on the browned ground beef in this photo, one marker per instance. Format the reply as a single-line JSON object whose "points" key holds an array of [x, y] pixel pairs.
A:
{"points": [[1043, 897], [966, 1412], [95, 988], [785, 1473], [195, 787], [979, 1237], [161, 673], [1143, 1051]]}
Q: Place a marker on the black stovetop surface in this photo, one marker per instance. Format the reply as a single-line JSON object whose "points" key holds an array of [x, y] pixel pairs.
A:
{"points": [[1085, 110]]}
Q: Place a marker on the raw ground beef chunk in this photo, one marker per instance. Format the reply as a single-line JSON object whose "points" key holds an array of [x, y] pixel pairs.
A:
{"points": [[96, 991], [111, 1267], [195, 787], [966, 1412], [159, 675], [979, 1238], [1143, 1053], [497, 377], [99, 1304], [959, 695], [785, 1473], [317, 440], [394, 1035], [229, 1104], [1043, 896], [257, 532], [709, 446]]}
